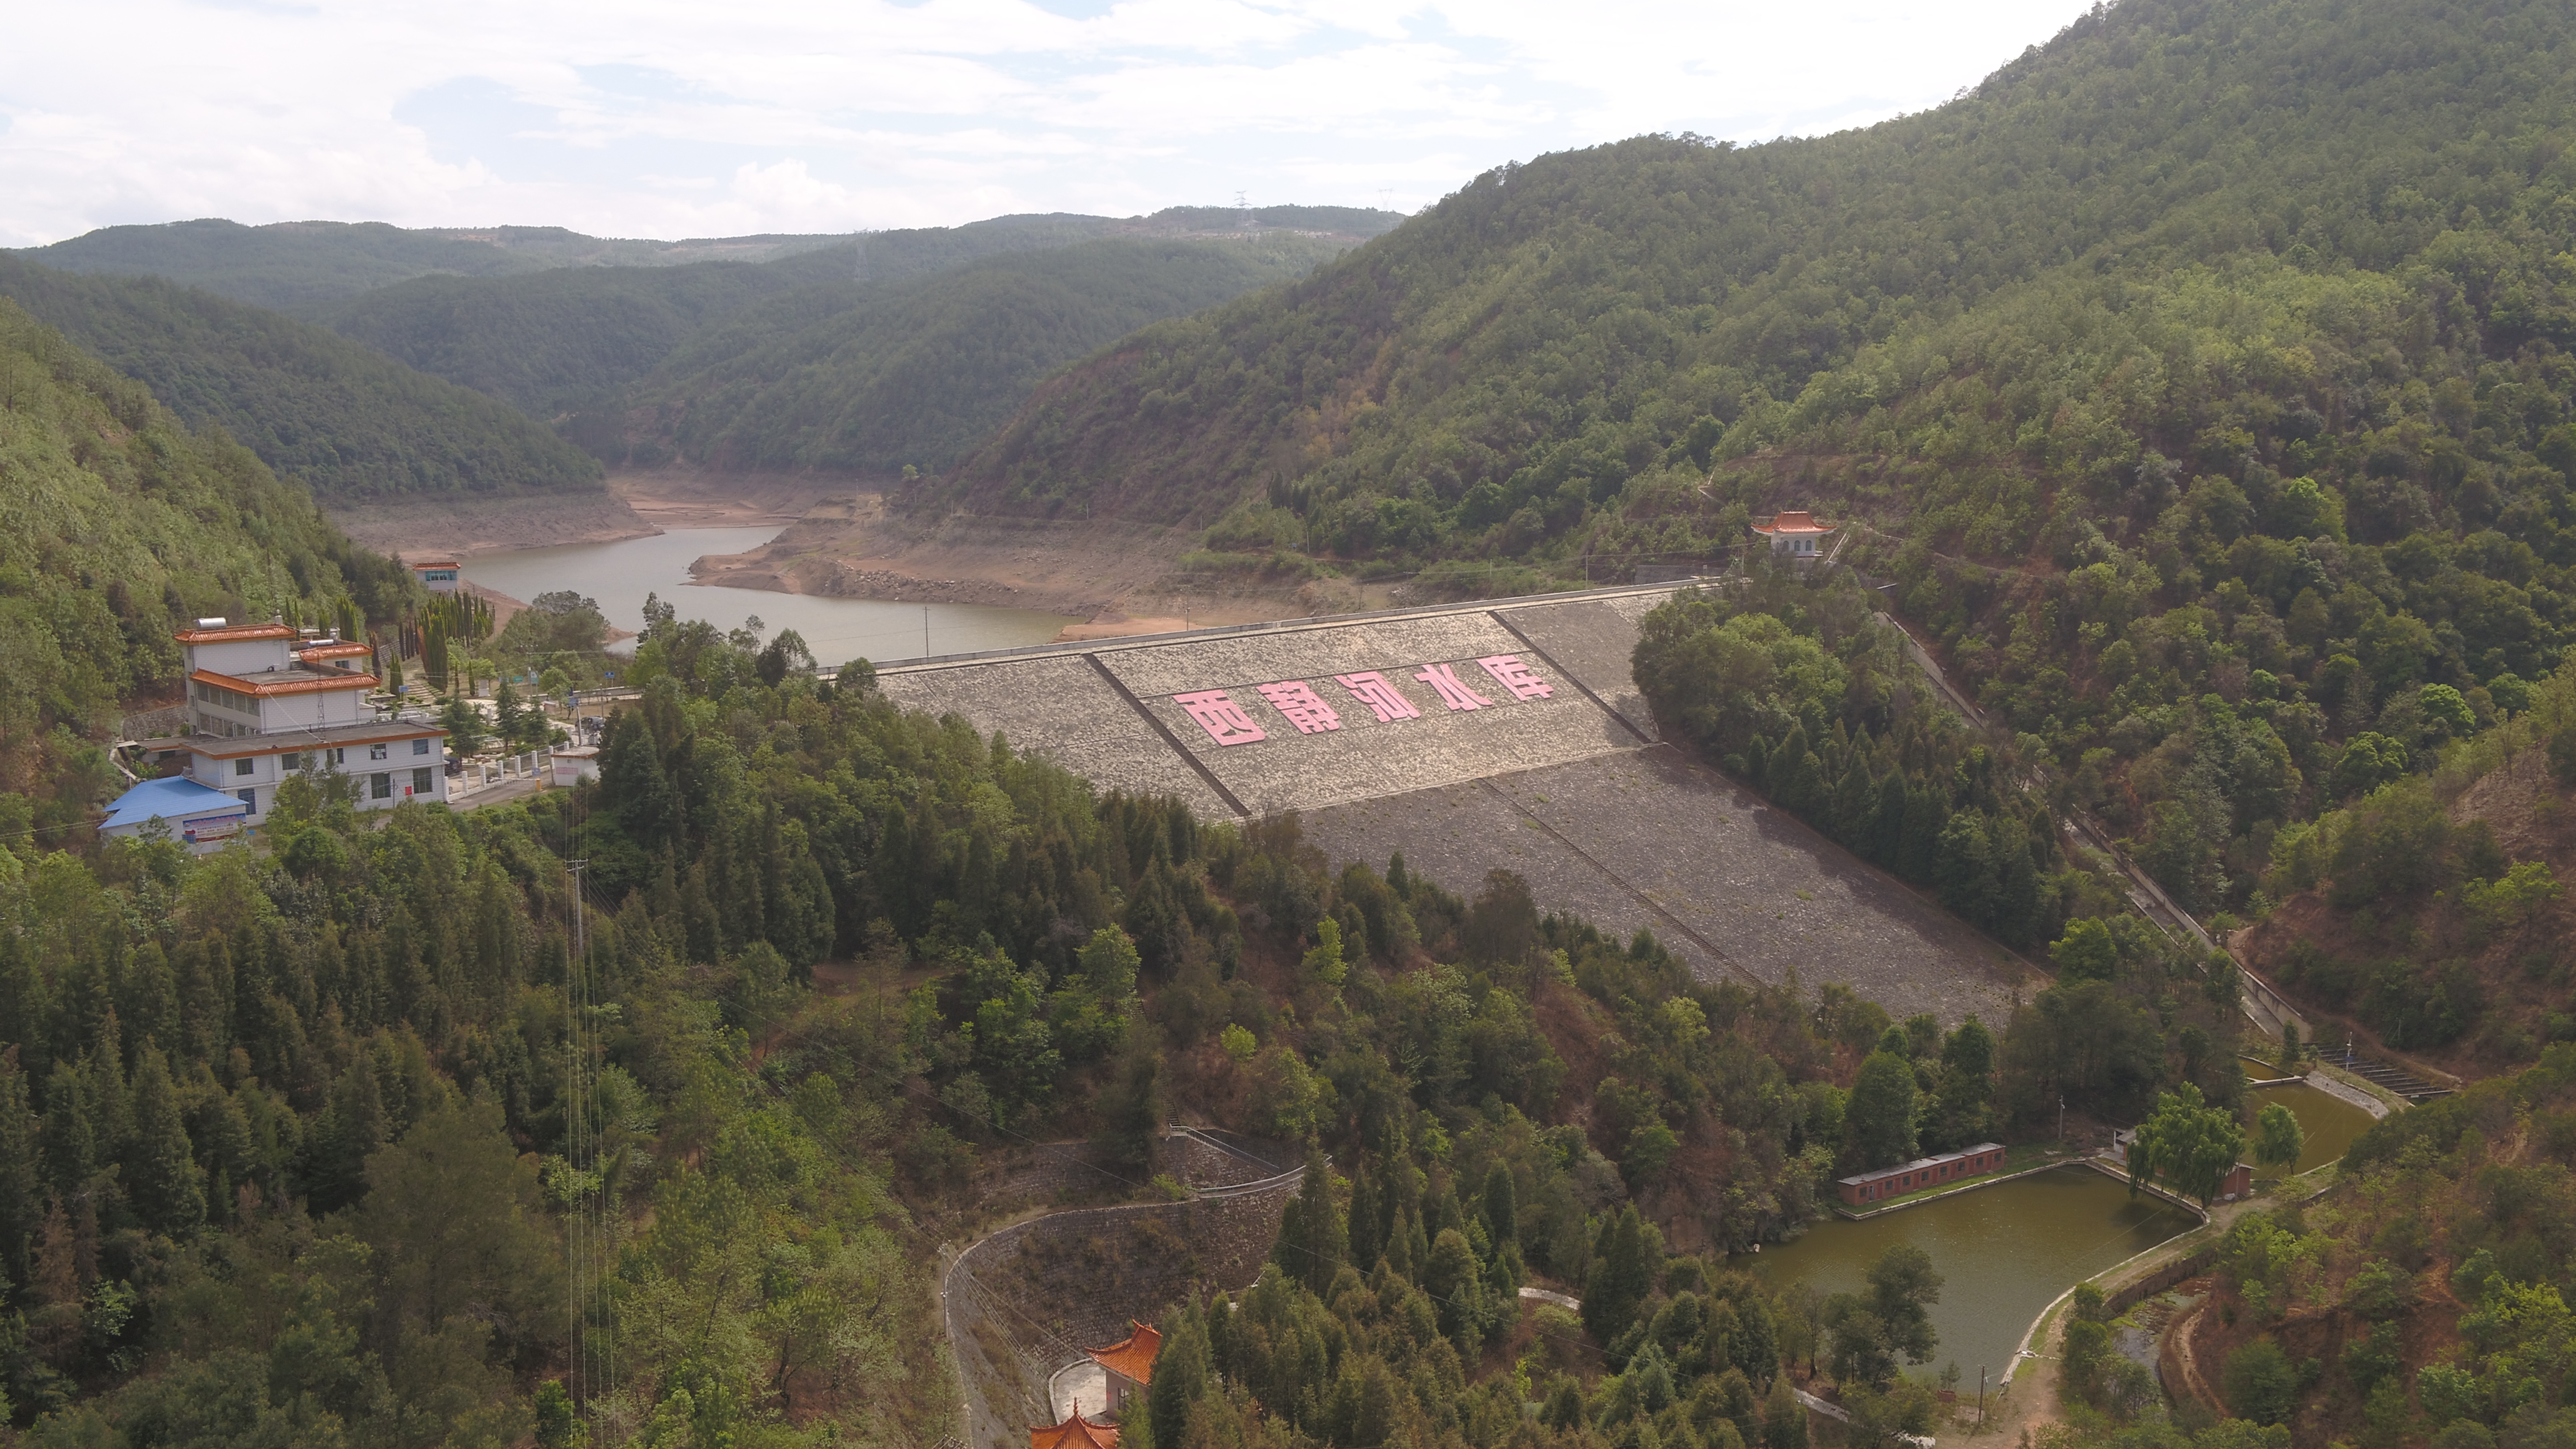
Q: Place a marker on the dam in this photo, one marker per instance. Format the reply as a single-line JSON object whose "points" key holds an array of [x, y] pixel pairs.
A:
{"points": [[1502, 733]]}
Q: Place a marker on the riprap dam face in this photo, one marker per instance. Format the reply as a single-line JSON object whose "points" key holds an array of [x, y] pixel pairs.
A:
{"points": [[1471, 737]]}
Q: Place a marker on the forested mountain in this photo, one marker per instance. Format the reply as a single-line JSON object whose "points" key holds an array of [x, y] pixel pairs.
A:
{"points": [[572, 338], [2200, 380], [340, 418], [117, 526], [297, 265], [872, 378]]}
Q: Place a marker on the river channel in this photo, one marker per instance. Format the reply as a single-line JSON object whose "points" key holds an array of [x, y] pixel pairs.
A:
{"points": [[620, 574], [2005, 1252]]}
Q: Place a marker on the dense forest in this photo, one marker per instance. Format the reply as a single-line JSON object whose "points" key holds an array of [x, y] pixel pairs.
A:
{"points": [[118, 526], [2198, 383], [344, 421], [294, 1142], [877, 378], [305, 266]]}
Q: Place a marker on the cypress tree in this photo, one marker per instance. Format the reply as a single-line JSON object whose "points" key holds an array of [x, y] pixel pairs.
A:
{"points": [[1366, 1236], [1887, 842], [1855, 807], [22, 1185], [1501, 1206], [1180, 1379], [70, 1138], [1621, 1279], [1310, 1246], [161, 1165]]}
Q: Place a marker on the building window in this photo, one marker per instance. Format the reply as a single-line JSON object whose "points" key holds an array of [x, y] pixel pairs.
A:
{"points": [[339, 757], [294, 761], [420, 746], [420, 782], [245, 766], [375, 752], [380, 787], [249, 799]]}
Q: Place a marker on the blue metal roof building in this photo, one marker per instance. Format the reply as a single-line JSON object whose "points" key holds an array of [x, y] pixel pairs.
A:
{"points": [[198, 817]]}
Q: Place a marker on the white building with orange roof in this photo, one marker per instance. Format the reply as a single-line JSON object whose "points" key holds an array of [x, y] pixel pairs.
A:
{"points": [[438, 575], [265, 702], [1796, 534]]}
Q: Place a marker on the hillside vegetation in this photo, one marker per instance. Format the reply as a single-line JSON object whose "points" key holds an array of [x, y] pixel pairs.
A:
{"points": [[299, 265], [2425, 1300], [575, 338], [118, 526], [2199, 382], [343, 420], [294, 1141], [875, 377]]}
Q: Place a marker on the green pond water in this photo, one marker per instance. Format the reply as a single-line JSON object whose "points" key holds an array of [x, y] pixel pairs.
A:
{"points": [[2006, 1252], [2330, 1122]]}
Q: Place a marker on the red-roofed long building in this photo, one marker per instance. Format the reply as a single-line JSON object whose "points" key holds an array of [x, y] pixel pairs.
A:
{"points": [[1129, 1363]]}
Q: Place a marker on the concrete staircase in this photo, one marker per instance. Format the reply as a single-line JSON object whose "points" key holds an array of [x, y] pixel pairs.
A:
{"points": [[2394, 1078]]}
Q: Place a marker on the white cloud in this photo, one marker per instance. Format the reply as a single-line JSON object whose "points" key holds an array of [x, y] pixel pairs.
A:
{"points": [[669, 118]]}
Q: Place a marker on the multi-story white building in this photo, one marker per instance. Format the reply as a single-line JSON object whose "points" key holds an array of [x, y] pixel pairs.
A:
{"points": [[264, 703]]}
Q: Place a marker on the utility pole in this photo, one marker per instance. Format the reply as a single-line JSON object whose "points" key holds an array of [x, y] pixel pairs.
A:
{"points": [[2061, 1121], [1981, 1398]]}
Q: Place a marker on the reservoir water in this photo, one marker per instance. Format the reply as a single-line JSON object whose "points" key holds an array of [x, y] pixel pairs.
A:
{"points": [[2005, 1252], [620, 574]]}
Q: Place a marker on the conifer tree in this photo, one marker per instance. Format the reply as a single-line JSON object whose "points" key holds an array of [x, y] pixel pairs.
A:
{"points": [[70, 1139], [22, 1185], [1621, 1278], [161, 1165], [1180, 1379], [1311, 1246], [1366, 1234]]}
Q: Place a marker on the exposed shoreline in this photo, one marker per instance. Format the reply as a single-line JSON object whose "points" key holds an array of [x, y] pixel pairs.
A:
{"points": [[631, 505], [838, 540]]}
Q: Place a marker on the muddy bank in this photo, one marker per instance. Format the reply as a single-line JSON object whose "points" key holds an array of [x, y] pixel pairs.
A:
{"points": [[632, 505], [1118, 576], [464, 527]]}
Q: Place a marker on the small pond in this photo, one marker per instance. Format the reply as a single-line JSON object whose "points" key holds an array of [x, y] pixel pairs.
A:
{"points": [[2006, 1252], [2330, 1122]]}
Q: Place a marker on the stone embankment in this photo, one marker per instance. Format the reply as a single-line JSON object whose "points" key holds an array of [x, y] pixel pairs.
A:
{"points": [[1021, 1304]]}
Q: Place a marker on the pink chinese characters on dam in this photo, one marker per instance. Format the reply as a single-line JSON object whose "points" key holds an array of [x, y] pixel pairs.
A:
{"points": [[1309, 713], [1221, 717], [1305, 709], [1379, 693]]}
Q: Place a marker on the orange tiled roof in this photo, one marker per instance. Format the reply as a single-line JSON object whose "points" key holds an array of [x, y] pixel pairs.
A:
{"points": [[302, 682], [1075, 1433], [1132, 1357], [234, 634], [1793, 523], [333, 649]]}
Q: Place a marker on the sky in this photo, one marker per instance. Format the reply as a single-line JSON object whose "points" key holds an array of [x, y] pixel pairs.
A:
{"points": [[651, 118]]}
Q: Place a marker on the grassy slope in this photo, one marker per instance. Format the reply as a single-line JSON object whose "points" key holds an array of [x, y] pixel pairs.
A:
{"points": [[342, 419]]}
